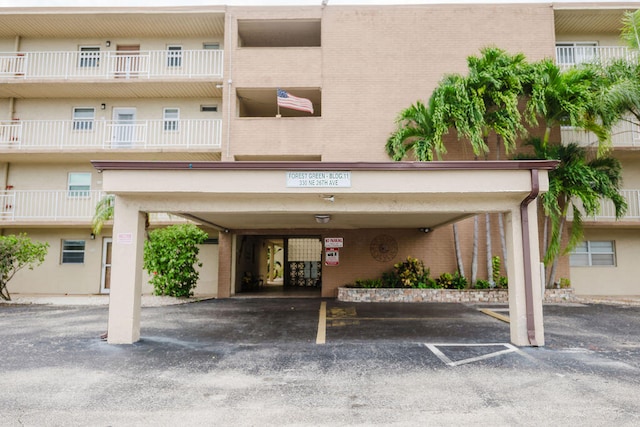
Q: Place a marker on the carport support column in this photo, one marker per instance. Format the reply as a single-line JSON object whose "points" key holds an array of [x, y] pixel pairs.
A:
{"points": [[525, 305], [126, 272], [225, 264]]}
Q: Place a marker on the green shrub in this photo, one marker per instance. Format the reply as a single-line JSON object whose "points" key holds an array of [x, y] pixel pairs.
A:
{"points": [[16, 253], [391, 280], [502, 283], [170, 255], [368, 283], [452, 281], [482, 284], [564, 283], [411, 272]]}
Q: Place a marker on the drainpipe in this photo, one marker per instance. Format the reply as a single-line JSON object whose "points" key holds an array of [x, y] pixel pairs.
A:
{"points": [[526, 250]]}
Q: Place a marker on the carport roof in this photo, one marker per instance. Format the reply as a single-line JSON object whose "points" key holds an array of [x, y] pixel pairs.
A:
{"points": [[101, 165], [254, 195]]}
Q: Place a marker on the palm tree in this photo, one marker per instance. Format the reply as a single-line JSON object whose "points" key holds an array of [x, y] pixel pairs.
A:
{"points": [[576, 97], [484, 102], [103, 213], [631, 29], [579, 185]]}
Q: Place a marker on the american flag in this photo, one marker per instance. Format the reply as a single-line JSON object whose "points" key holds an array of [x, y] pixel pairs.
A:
{"points": [[285, 100]]}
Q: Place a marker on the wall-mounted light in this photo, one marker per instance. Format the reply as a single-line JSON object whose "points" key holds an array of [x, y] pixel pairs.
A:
{"points": [[107, 43], [103, 106], [425, 229], [92, 236], [328, 197], [323, 219]]}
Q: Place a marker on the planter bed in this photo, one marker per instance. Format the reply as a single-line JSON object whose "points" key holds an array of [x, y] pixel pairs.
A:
{"points": [[442, 295]]}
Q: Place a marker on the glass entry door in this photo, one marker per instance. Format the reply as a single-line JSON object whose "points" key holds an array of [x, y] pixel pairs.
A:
{"points": [[304, 262]]}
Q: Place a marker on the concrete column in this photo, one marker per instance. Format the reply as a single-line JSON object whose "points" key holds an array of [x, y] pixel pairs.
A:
{"points": [[126, 272], [225, 260], [525, 314]]}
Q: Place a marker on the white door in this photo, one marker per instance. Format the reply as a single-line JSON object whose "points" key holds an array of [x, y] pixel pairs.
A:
{"points": [[105, 281], [124, 130]]}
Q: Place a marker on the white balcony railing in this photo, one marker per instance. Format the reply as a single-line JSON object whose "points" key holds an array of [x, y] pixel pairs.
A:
{"points": [[48, 205], [608, 212], [624, 134], [106, 134], [77, 65], [569, 56]]}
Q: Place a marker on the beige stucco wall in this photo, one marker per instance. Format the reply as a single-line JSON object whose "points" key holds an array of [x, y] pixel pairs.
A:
{"points": [[52, 176], [146, 109], [57, 44], [53, 277], [603, 39], [622, 279]]}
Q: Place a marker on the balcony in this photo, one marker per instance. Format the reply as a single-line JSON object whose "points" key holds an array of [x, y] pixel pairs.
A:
{"points": [[187, 64], [94, 135], [48, 205], [608, 213], [111, 74], [625, 134], [570, 56]]}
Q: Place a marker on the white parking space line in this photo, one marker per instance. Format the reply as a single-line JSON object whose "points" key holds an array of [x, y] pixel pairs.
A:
{"points": [[508, 348]]}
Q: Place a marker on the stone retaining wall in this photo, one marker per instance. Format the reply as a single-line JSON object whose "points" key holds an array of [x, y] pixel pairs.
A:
{"points": [[443, 295]]}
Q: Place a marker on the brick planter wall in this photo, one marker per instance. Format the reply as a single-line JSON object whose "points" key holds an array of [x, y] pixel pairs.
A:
{"points": [[442, 295]]}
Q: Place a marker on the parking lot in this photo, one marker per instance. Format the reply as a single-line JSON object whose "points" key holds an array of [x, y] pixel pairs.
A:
{"points": [[284, 362]]}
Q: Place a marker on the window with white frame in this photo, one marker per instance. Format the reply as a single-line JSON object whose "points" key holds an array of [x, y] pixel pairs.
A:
{"points": [[592, 253], [171, 119], [174, 56], [83, 118], [73, 251], [79, 184], [571, 53], [89, 56], [212, 46]]}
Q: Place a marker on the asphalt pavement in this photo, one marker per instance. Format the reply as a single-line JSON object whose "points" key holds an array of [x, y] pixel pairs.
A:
{"points": [[300, 362]]}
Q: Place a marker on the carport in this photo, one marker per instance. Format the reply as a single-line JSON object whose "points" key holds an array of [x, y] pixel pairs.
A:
{"points": [[230, 196]]}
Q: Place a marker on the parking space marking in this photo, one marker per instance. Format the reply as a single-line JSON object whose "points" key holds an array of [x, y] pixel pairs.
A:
{"points": [[321, 337], [495, 315], [509, 348]]}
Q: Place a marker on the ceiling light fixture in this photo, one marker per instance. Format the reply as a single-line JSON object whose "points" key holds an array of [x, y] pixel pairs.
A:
{"points": [[425, 229], [323, 219]]}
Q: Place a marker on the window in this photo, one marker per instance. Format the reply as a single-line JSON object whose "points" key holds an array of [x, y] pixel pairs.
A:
{"points": [[73, 251], [569, 53], [89, 56], [593, 253], [171, 118], [212, 46], [174, 56], [79, 184], [209, 108], [83, 118]]}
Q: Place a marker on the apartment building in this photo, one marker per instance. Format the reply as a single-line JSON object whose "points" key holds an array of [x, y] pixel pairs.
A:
{"points": [[606, 262], [175, 110]]}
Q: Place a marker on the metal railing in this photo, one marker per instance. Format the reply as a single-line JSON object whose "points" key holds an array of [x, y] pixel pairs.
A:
{"points": [[48, 205], [80, 65], [569, 56], [110, 134], [624, 134], [608, 212]]}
